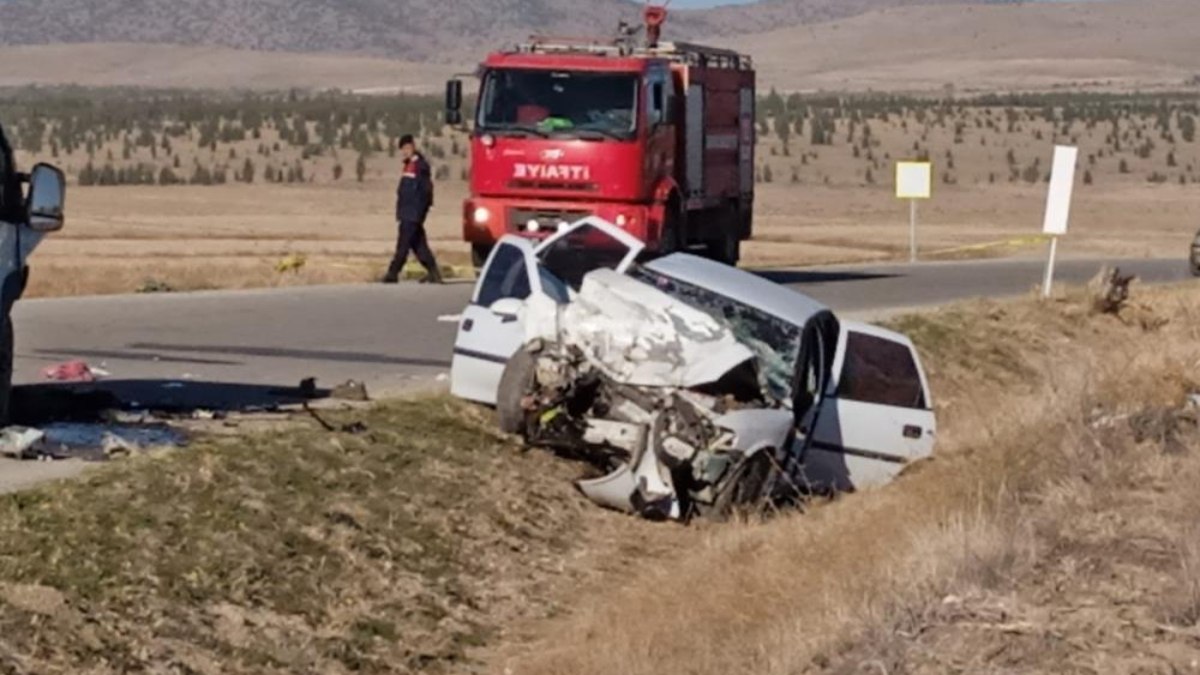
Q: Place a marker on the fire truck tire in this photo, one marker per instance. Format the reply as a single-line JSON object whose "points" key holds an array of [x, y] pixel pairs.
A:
{"points": [[726, 249], [479, 255], [672, 239]]}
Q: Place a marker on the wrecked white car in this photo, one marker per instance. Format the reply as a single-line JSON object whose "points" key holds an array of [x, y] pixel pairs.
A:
{"points": [[698, 387]]}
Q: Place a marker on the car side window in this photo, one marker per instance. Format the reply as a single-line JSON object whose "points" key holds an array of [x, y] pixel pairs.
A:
{"points": [[507, 277], [880, 371]]}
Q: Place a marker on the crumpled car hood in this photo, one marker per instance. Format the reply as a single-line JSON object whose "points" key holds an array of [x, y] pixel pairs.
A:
{"points": [[640, 336]]}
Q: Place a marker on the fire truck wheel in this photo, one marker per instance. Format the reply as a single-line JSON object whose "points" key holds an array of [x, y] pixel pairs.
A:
{"points": [[479, 255], [727, 248], [672, 231]]}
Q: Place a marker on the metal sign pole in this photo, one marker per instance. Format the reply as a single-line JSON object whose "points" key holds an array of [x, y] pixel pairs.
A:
{"points": [[912, 231], [1049, 283]]}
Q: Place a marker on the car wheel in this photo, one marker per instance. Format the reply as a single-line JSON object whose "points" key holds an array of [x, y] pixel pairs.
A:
{"points": [[479, 255], [746, 489], [515, 384]]}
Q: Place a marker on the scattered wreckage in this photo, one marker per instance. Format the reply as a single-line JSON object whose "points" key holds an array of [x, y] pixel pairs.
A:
{"points": [[698, 387]]}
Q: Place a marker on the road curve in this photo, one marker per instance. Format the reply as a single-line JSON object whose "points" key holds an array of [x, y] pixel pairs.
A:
{"points": [[247, 344]]}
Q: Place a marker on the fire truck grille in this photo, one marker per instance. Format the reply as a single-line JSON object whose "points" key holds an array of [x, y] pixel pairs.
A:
{"points": [[550, 185], [547, 220]]}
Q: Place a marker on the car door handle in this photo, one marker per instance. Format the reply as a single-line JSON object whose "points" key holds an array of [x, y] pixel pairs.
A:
{"points": [[506, 318], [913, 431]]}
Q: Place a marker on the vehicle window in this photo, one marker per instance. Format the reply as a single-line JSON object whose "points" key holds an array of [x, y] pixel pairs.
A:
{"points": [[657, 104], [880, 371], [553, 287], [563, 103], [775, 342], [583, 250], [507, 277]]}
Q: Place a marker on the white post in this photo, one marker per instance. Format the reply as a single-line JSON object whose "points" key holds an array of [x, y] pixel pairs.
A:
{"points": [[912, 231], [1046, 287]]}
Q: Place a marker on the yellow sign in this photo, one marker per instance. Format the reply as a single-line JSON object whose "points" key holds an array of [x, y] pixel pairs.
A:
{"points": [[914, 180]]}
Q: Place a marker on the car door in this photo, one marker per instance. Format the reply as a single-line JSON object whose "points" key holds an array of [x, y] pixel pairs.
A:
{"points": [[876, 418], [587, 245], [492, 327]]}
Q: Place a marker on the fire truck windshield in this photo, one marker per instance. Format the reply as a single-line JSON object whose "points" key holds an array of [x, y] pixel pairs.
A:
{"points": [[560, 104]]}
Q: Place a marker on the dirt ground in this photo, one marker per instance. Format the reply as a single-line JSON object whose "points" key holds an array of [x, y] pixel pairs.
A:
{"points": [[125, 239], [816, 203]]}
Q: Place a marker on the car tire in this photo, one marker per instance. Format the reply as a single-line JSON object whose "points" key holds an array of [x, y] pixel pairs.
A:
{"points": [[746, 489], [515, 384], [479, 255], [6, 370]]}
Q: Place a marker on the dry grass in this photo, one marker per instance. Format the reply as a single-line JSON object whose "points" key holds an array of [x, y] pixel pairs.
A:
{"points": [[1063, 481], [395, 549], [1016, 385]]}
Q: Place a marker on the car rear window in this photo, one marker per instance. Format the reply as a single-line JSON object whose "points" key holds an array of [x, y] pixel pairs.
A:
{"points": [[880, 371]]}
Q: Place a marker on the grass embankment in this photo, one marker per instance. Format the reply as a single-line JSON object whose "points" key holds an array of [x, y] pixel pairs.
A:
{"points": [[1064, 482], [1059, 478], [392, 549]]}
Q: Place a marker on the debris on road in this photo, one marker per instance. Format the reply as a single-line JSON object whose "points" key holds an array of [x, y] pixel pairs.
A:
{"points": [[71, 371], [17, 442], [91, 441], [351, 390]]}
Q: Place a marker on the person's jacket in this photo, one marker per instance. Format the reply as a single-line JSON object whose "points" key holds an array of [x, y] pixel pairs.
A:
{"points": [[414, 195]]}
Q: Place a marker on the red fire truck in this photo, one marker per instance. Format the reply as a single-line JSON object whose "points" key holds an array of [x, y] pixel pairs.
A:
{"points": [[657, 137]]}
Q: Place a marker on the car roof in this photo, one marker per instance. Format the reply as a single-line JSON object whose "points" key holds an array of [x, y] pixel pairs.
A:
{"points": [[740, 285]]}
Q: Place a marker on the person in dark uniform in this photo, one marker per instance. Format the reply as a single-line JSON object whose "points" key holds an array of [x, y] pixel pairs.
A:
{"points": [[414, 198]]}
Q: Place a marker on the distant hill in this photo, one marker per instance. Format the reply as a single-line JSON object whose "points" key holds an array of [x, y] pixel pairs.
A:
{"points": [[415, 44], [417, 30]]}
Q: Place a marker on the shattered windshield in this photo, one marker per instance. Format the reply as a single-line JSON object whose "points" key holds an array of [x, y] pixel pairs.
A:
{"points": [[563, 104], [775, 342]]}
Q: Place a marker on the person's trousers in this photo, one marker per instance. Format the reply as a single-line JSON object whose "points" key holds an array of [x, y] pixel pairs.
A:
{"points": [[412, 238]]}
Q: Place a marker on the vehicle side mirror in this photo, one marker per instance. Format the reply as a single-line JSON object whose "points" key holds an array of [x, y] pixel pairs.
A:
{"points": [[508, 309], [454, 100], [47, 196]]}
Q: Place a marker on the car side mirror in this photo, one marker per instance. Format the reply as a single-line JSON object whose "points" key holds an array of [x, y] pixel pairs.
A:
{"points": [[47, 196], [508, 309], [454, 100]]}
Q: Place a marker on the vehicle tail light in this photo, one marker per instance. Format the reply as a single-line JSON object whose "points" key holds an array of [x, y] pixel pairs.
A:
{"points": [[482, 215], [622, 220], [488, 140]]}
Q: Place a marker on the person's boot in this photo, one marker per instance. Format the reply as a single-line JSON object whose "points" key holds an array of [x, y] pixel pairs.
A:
{"points": [[433, 276]]}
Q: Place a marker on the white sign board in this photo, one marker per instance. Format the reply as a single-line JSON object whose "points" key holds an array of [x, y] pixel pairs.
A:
{"points": [[914, 180], [1062, 184]]}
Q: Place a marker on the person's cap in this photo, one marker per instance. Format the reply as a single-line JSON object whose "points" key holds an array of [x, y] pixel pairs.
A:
{"points": [[407, 139]]}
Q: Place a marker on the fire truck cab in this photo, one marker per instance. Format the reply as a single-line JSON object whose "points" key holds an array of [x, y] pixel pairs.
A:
{"points": [[655, 137]]}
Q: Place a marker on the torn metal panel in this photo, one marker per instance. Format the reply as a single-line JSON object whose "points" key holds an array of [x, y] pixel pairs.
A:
{"points": [[640, 336]]}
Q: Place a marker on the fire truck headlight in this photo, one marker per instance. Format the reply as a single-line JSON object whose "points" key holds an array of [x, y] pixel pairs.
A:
{"points": [[482, 215], [532, 226], [622, 221], [563, 225]]}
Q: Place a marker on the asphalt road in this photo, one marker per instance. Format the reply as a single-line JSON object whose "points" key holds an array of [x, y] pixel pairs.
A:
{"points": [[244, 347]]}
